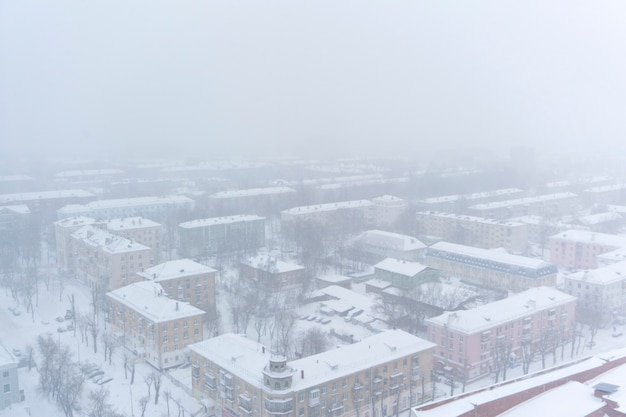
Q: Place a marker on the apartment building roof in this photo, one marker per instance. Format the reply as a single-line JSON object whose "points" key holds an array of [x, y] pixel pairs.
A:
{"points": [[148, 299], [397, 266], [89, 172], [490, 315], [219, 220], [600, 218], [443, 249], [361, 183], [613, 256], [252, 192], [475, 219], [11, 178], [389, 240], [523, 201], [471, 196], [605, 188], [329, 207], [270, 264], [123, 202], [43, 195], [75, 221], [245, 358], [175, 269], [107, 241], [6, 357], [17, 208], [601, 276], [585, 236], [130, 223]]}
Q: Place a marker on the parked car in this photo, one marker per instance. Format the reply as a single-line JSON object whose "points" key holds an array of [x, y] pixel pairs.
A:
{"points": [[95, 373], [60, 319], [17, 353], [61, 329]]}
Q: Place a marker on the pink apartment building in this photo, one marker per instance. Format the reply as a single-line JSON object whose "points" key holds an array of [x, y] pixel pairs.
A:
{"points": [[578, 249], [473, 343]]}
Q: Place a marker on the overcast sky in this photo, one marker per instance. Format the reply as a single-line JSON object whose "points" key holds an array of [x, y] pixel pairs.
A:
{"points": [[298, 78]]}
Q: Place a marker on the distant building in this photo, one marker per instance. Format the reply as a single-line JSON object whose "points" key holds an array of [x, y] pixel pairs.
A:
{"points": [[103, 260], [373, 246], [261, 201], [474, 231], [141, 230], [579, 249], [152, 325], [187, 281], [607, 222], [404, 275], [490, 268], [605, 194], [157, 208], [219, 235], [455, 203], [63, 230], [472, 343], [10, 393], [550, 205], [381, 375], [271, 275], [46, 202]]}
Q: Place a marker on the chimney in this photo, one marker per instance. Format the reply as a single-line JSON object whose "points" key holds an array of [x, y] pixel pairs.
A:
{"points": [[302, 373], [263, 347], [176, 305]]}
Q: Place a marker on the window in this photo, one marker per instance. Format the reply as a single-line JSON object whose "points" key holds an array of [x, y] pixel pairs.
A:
{"points": [[5, 374], [334, 386], [7, 387], [301, 396], [165, 339]]}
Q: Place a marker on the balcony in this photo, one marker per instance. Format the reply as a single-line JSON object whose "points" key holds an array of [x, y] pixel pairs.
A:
{"points": [[278, 405]]}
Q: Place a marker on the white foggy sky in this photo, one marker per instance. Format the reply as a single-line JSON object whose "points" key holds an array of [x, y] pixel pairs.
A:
{"points": [[257, 78]]}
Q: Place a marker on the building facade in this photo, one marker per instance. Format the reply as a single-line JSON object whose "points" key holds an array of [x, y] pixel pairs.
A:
{"points": [[404, 275], [373, 246], [9, 380], [474, 343], [474, 231], [157, 208], [261, 201], [218, 235], [186, 281], [141, 230], [153, 326], [379, 376], [579, 249], [550, 205], [489, 268], [271, 275]]}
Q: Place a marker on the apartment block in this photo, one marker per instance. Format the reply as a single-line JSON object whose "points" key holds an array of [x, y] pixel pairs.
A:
{"points": [[456, 202], [550, 205], [10, 393], [404, 275], [605, 194], [261, 201], [219, 235], [141, 230], [381, 375], [104, 260], [474, 231], [601, 292], [272, 275], [472, 343], [187, 281], [153, 326], [579, 249], [63, 230], [157, 208], [373, 246], [490, 268]]}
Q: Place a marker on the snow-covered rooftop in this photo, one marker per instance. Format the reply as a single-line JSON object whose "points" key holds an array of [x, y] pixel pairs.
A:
{"points": [[89, 172], [124, 202], [149, 299], [599, 218], [271, 264], [76, 221], [11, 178], [43, 195], [523, 201], [245, 358], [389, 240], [109, 242], [17, 208], [606, 188], [472, 196], [329, 206], [490, 255], [475, 219], [252, 192], [602, 276], [491, 315], [585, 236], [175, 269], [6, 357], [130, 223], [397, 266], [219, 220]]}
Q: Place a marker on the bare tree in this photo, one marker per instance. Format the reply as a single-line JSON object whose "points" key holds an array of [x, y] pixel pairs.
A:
{"points": [[156, 381], [168, 395], [99, 405], [94, 330], [148, 380], [143, 403], [109, 346], [29, 353], [314, 340]]}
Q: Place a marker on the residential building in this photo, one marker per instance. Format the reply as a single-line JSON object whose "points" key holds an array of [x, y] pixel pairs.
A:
{"points": [[607, 222], [387, 210], [46, 202], [10, 393], [14, 218], [474, 343], [141, 230], [579, 249], [261, 201], [157, 208], [404, 275], [63, 230], [550, 205], [605, 194], [474, 231], [381, 375], [601, 292], [220, 235], [272, 275], [104, 260], [353, 189], [153, 326], [186, 280], [373, 246], [458, 202], [490, 268]]}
